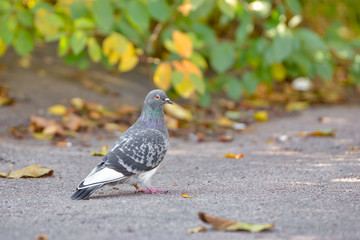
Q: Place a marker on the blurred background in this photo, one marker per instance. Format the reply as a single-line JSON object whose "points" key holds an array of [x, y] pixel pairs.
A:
{"points": [[74, 65]]}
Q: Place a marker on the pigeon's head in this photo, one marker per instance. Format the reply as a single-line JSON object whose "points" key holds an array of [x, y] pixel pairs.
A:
{"points": [[157, 98]]}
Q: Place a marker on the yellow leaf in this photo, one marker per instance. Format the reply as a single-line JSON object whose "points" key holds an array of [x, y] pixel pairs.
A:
{"points": [[185, 88], [104, 151], [296, 106], [353, 148], [129, 59], [57, 110], [223, 224], [2, 47], [42, 136], [225, 122], [261, 116], [187, 67], [196, 230], [42, 23], [278, 72], [183, 44], [32, 171], [185, 8], [178, 112], [78, 103], [184, 195], [162, 76], [231, 155], [114, 46]]}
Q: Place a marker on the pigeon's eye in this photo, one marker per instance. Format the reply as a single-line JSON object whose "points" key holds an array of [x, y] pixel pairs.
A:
{"points": [[157, 97]]}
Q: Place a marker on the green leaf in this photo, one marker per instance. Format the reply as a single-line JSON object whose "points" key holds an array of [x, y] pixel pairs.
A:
{"points": [[205, 100], [243, 30], [311, 41], [204, 32], [84, 23], [7, 29], [127, 30], [5, 6], [303, 63], [63, 46], [25, 18], [103, 14], [250, 82], [24, 42], [94, 49], [227, 7], [78, 41], [201, 9], [222, 56], [176, 78], [324, 70], [159, 10], [282, 47], [78, 9], [138, 15], [198, 83], [294, 6], [233, 88], [199, 60]]}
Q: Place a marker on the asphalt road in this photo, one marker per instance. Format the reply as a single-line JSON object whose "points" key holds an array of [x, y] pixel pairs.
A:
{"points": [[308, 187]]}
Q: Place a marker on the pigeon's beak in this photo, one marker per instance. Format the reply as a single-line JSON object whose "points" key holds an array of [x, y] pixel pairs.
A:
{"points": [[167, 100]]}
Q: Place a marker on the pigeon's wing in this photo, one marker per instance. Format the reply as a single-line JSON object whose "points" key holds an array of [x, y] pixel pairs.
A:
{"points": [[133, 153], [141, 151]]}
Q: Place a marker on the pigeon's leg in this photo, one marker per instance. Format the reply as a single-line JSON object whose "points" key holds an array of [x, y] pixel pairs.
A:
{"points": [[148, 190]]}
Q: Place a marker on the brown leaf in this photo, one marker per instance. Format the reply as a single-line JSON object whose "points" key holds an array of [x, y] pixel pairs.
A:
{"points": [[33, 171], [45, 126], [73, 122], [223, 224], [104, 151], [196, 230], [184, 195]]}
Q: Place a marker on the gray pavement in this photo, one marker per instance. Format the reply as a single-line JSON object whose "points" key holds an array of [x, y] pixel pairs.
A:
{"points": [[308, 187]]}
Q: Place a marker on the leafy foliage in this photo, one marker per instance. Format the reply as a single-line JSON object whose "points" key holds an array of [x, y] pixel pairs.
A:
{"points": [[239, 44]]}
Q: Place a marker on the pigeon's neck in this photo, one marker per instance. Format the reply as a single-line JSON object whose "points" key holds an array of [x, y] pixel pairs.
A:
{"points": [[153, 118]]}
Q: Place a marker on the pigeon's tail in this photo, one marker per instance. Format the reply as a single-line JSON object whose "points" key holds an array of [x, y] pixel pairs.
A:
{"points": [[84, 192]]}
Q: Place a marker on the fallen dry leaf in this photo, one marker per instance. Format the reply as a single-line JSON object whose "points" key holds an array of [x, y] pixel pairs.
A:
{"points": [[297, 106], [329, 132], [196, 230], [41, 237], [225, 122], [58, 110], [104, 151], [5, 101], [184, 195], [261, 116], [223, 224], [33, 171], [231, 155], [64, 144]]}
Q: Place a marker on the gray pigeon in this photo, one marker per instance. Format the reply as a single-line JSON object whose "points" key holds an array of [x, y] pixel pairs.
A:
{"points": [[136, 154]]}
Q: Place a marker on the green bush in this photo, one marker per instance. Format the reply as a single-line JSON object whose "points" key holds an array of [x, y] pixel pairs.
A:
{"points": [[238, 44]]}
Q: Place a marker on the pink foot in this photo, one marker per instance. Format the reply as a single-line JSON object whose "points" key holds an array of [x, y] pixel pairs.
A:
{"points": [[149, 190]]}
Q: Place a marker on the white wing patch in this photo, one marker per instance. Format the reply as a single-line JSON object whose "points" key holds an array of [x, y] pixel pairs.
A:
{"points": [[104, 175]]}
